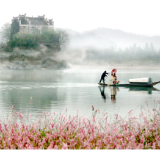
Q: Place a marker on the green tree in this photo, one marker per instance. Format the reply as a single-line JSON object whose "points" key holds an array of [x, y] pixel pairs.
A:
{"points": [[50, 36]]}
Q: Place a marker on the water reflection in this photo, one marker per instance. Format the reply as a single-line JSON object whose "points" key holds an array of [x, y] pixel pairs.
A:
{"points": [[113, 91], [30, 76], [142, 89], [31, 100], [102, 91]]}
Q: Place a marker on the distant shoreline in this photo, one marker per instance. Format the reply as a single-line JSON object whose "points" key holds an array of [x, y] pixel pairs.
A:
{"points": [[87, 67], [113, 66]]}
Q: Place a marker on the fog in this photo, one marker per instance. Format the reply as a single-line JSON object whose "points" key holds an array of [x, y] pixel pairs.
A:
{"points": [[99, 47], [1, 39], [42, 58], [106, 38], [109, 47]]}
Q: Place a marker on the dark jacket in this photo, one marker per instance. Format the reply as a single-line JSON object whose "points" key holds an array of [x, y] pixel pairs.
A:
{"points": [[104, 74]]}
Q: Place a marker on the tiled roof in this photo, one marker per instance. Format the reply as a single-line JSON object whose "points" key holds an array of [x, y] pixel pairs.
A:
{"points": [[40, 20], [37, 21]]}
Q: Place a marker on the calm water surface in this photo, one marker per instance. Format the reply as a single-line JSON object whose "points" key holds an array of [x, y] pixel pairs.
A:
{"points": [[74, 90]]}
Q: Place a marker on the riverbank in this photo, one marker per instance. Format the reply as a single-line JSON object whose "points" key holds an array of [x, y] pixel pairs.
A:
{"points": [[52, 131], [31, 59]]}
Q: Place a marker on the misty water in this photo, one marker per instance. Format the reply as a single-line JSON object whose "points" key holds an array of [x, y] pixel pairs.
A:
{"points": [[75, 90]]}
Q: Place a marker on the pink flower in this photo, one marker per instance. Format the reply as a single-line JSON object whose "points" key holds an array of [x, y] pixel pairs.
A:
{"points": [[20, 115], [0, 127], [55, 147], [51, 146], [52, 125], [92, 108], [116, 116], [159, 143], [105, 113], [154, 145], [130, 111], [64, 146], [72, 141]]}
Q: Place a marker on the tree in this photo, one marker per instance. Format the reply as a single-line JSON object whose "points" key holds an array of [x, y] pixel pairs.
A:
{"points": [[6, 32], [152, 47], [147, 47], [63, 36]]}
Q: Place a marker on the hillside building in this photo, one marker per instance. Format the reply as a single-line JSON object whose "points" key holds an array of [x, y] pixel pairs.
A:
{"points": [[28, 25]]}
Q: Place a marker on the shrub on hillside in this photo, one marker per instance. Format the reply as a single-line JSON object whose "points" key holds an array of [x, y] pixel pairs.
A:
{"points": [[28, 41]]}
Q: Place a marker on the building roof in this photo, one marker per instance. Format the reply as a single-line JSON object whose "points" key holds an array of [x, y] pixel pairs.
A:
{"points": [[37, 21], [40, 20]]}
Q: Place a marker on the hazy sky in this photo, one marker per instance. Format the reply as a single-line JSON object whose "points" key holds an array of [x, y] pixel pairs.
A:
{"points": [[135, 16]]}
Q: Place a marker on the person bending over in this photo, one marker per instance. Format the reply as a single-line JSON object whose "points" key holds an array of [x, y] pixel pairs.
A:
{"points": [[103, 76]]}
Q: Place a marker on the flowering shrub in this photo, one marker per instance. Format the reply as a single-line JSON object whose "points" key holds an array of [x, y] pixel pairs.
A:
{"points": [[74, 132]]}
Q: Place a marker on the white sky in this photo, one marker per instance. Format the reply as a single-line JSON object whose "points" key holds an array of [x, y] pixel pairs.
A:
{"points": [[135, 16]]}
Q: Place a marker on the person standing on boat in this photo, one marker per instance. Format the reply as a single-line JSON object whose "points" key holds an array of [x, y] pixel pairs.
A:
{"points": [[103, 76], [113, 79]]}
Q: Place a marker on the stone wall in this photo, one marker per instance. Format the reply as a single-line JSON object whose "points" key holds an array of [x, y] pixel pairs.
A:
{"points": [[29, 29]]}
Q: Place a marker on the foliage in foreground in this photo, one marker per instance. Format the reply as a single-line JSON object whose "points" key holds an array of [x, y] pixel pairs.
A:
{"points": [[74, 132]]}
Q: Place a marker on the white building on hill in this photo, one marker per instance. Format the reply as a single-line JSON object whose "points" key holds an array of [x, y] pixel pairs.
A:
{"points": [[28, 25]]}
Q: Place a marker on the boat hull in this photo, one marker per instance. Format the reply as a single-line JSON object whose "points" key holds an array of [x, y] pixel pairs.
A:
{"points": [[127, 85]]}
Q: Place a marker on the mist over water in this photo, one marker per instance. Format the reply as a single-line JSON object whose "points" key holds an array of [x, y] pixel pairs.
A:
{"points": [[108, 47], [68, 78], [99, 47], [75, 90]]}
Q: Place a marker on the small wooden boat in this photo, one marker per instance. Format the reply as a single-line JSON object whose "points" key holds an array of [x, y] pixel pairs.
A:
{"points": [[138, 82]]}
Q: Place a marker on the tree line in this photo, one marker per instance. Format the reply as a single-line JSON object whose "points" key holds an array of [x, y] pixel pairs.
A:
{"points": [[49, 38], [133, 53]]}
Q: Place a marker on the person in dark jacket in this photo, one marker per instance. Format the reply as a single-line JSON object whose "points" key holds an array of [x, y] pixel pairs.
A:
{"points": [[103, 76]]}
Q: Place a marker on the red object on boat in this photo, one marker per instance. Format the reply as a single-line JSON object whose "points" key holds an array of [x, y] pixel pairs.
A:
{"points": [[113, 70], [115, 82]]}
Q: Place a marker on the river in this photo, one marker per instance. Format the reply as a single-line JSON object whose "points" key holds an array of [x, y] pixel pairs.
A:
{"points": [[74, 90]]}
